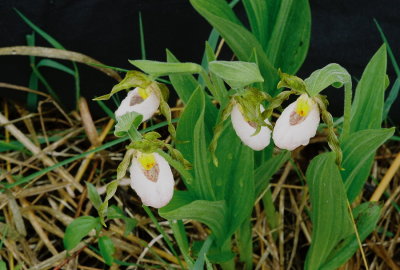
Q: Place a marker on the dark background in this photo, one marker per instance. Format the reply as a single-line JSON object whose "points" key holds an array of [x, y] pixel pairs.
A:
{"points": [[342, 32]]}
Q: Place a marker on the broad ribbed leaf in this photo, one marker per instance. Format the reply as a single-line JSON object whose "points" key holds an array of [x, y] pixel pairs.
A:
{"points": [[332, 74], [184, 84], [193, 138], [288, 44], [358, 152], [220, 92], [161, 68], [367, 108], [78, 229], [107, 249], [211, 213], [236, 73], [240, 40], [366, 216], [259, 18], [330, 218]]}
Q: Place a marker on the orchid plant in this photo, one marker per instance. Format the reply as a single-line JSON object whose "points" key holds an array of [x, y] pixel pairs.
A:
{"points": [[221, 195], [225, 166]]}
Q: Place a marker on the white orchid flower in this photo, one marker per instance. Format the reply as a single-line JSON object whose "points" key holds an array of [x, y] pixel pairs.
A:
{"points": [[152, 179], [297, 124], [143, 101], [246, 129]]}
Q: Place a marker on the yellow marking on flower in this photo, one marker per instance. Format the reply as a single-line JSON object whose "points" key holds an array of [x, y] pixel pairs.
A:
{"points": [[143, 93], [148, 161], [304, 105]]}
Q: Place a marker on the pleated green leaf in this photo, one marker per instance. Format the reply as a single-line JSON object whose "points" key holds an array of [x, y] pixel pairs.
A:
{"points": [[240, 40], [78, 229], [211, 213], [107, 249], [184, 84], [236, 73], [161, 68], [330, 218], [367, 108], [332, 74], [366, 216], [358, 152], [288, 43]]}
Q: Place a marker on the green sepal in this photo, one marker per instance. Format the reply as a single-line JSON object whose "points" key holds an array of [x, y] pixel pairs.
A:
{"points": [[332, 139], [177, 155], [277, 102], [132, 79], [219, 127], [162, 93], [291, 82], [123, 166]]}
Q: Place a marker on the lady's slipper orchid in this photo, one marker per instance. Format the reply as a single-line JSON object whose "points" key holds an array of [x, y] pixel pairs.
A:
{"points": [[297, 124], [246, 129], [143, 101], [152, 179]]}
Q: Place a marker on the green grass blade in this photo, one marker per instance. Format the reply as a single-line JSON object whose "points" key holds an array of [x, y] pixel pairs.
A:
{"points": [[199, 265], [390, 52], [394, 92], [330, 217], [56, 65], [142, 40]]}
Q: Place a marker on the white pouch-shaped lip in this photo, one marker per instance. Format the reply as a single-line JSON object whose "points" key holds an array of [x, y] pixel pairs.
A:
{"points": [[291, 130], [245, 130], [133, 102], [155, 187]]}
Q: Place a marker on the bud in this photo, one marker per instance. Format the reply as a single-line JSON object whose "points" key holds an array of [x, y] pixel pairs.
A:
{"points": [[140, 100], [246, 130], [297, 124], [152, 179]]}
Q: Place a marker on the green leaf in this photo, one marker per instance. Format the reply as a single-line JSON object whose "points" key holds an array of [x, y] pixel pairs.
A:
{"points": [[367, 108], [126, 122], [3, 265], [220, 92], [56, 65], [107, 249], [332, 74], [93, 195], [156, 68], [358, 153], [245, 243], [290, 33], [234, 179], [264, 173], [394, 92], [110, 191], [199, 264], [211, 213], [237, 74], [184, 84], [259, 15], [330, 218], [202, 184], [186, 125], [336, 76], [240, 40], [78, 229], [366, 216]]}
